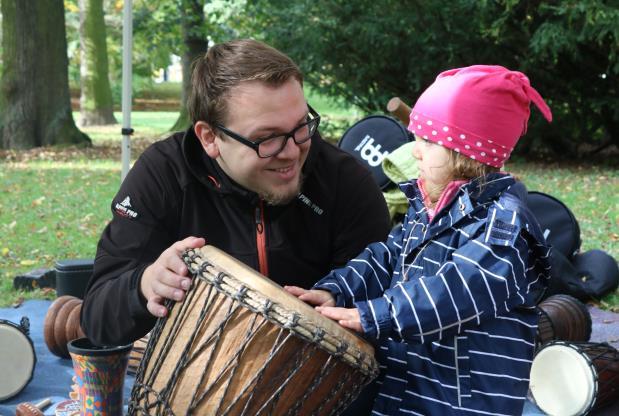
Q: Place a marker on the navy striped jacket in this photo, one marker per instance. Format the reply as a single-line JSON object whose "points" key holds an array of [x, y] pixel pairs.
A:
{"points": [[450, 303]]}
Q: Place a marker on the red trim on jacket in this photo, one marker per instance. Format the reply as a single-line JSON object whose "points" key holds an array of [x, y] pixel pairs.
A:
{"points": [[261, 240]]}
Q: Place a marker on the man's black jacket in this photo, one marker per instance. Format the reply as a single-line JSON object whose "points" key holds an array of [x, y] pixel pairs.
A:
{"points": [[175, 190]]}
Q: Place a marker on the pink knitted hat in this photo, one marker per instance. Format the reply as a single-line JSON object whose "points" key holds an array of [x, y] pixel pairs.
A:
{"points": [[480, 111]]}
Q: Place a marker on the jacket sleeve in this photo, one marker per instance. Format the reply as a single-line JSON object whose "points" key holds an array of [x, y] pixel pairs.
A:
{"points": [[114, 311], [366, 276], [484, 278]]}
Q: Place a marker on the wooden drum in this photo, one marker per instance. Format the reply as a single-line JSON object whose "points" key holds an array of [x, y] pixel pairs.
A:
{"points": [[574, 378], [240, 345], [564, 318]]}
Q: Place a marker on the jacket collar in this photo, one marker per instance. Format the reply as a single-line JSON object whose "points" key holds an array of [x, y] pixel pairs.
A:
{"points": [[469, 196]]}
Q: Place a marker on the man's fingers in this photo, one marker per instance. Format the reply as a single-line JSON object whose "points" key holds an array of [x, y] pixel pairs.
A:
{"points": [[162, 289], [189, 242], [155, 307], [172, 279]]}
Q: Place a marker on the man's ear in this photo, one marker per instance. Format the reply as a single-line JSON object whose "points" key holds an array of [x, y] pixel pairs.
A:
{"points": [[207, 136]]}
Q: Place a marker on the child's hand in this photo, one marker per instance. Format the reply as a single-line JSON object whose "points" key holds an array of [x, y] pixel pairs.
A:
{"points": [[348, 318], [313, 297]]}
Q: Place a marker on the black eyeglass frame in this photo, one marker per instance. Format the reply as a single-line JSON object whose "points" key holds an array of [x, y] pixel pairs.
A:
{"points": [[255, 144]]}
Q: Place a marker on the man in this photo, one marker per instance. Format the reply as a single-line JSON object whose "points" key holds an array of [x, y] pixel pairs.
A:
{"points": [[251, 176]]}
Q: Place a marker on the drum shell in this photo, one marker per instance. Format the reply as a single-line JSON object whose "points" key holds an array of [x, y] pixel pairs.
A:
{"points": [[136, 354], [62, 324], [564, 318], [602, 362], [238, 359], [18, 359]]}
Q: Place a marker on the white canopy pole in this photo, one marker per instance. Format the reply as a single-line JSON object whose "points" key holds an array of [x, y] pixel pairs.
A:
{"points": [[126, 91]]}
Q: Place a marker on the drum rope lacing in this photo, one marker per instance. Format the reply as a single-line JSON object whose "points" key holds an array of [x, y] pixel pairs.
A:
{"points": [[290, 323], [278, 314]]}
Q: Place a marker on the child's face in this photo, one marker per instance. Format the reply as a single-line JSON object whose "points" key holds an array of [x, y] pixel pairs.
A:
{"points": [[434, 165]]}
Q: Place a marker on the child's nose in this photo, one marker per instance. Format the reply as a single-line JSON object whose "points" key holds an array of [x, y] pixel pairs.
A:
{"points": [[416, 151]]}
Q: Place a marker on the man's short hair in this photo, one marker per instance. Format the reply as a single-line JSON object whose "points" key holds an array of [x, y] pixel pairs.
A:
{"points": [[227, 65]]}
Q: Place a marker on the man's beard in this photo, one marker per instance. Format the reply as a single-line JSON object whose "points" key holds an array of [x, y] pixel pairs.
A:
{"points": [[272, 198]]}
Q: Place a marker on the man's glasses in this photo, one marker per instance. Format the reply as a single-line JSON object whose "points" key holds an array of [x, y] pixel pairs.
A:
{"points": [[275, 143]]}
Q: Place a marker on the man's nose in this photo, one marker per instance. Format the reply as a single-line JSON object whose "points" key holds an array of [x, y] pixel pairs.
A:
{"points": [[291, 149]]}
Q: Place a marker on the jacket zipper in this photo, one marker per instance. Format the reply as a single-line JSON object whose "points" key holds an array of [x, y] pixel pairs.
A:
{"points": [[261, 240]]}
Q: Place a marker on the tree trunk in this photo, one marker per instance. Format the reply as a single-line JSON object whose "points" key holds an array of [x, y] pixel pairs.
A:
{"points": [[35, 83], [96, 107], [195, 45]]}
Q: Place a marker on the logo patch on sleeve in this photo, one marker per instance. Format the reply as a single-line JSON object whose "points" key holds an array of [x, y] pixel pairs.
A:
{"points": [[124, 208]]}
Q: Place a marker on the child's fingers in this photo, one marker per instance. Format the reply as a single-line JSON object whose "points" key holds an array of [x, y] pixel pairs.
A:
{"points": [[334, 313], [355, 326], [316, 297], [295, 290]]}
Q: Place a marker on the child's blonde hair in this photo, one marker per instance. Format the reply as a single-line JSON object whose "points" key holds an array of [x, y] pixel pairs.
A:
{"points": [[463, 167]]}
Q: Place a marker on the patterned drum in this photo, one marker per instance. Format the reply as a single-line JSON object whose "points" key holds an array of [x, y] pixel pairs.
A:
{"points": [[240, 345]]}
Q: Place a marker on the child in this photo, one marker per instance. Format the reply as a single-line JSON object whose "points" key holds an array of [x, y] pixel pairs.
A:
{"points": [[449, 298]]}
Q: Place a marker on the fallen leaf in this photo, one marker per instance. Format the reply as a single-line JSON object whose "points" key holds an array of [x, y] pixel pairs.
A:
{"points": [[5, 251], [48, 291], [18, 302], [27, 262]]}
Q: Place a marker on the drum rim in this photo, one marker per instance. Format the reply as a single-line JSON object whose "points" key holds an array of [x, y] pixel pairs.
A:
{"points": [[279, 314], [83, 346], [34, 358], [577, 347]]}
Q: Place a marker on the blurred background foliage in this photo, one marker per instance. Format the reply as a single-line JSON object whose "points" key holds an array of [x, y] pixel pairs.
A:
{"points": [[365, 52]]}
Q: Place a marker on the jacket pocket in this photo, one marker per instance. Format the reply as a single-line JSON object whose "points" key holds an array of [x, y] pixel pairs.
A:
{"points": [[463, 369]]}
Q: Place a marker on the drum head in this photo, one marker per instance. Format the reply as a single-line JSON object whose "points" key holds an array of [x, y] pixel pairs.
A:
{"points": [[16, 361], [562, 380]]}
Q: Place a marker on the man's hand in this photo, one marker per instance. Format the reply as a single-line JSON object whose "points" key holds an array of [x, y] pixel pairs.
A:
{"points": [[167, 277], [348, 318], [313, 297]]}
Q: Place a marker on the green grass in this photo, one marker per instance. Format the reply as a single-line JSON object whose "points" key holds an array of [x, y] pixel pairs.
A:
{"points": [[147, 125], [54, 203]]}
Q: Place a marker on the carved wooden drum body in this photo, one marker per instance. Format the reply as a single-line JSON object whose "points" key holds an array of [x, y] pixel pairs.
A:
{"points": [[240, 345]]}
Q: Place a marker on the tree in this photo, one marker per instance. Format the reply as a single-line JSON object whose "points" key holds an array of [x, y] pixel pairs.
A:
{"points": [[96, 105], [368, 51], [195, 44], [35, 103]]}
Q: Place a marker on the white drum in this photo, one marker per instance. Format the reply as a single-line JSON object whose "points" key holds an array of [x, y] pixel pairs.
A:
{"points": [[574, 378], [17, 357]]}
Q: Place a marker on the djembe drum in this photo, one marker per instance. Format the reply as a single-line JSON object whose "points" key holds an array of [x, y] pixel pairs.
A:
{"points": [[562, 318], [574, 378], [240, 345], [17, 357]]}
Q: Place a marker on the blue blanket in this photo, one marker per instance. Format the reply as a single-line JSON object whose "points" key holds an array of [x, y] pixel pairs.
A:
{"points": [[52, 375]]}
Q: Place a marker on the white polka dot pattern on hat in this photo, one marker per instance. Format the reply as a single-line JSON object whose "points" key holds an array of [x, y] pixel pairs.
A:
{"points": [[452, 137]]}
